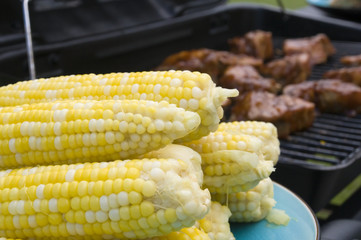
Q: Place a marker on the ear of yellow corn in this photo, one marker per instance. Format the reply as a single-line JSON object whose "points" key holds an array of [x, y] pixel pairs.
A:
{"points": [[251, 206], [216, 222], [266, 132], [134, 199], [86, 130], [192, 91], [231, 161]]}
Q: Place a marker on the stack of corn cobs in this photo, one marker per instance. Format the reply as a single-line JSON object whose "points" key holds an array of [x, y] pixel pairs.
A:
{"points": [[129, 156]]}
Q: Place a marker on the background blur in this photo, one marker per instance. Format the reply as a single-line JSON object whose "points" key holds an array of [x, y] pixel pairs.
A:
{"points": [[290, 4]]}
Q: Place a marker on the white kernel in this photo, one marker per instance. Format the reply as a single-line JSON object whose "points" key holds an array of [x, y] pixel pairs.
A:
{"points": [[104, 205], [107, 90], [90, 216], [135, 88], [60, 115], [193, 104], [161, 217], [196, 92], [55, 106], [38, 144], [183, 103], [190, 207], [53, 205], [32, 221], [71, 93], [122, 198], [114, 214], [147, 166], [36, 205], [18, 158], [57, 129], [57, 143], [129, 235], [22, 94], [176, 82], [159, 124], [241, 145], [101, 216], [24, 128], [93, 139], [42, 129], [103, 81], [69, 176], [156, 89], [110, 137], [135, 137], [184, 195], [78, 106], [20, 207], [117, 107], [113, 202], [12, 145], [16, 222], [180, 213], [178, 126], [143, 96], [12, 207], [40, 191], [31, 128], [123, 126], [100, 125], [70, 227], [79, 229], [92, 125], [157, 174]]}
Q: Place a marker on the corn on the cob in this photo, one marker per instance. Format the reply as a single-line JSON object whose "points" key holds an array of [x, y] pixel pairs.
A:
{"points": [[216, 222], [123, 199], [266, 132], [231, 161], [86, 130], [251, 206], [192, 91]]}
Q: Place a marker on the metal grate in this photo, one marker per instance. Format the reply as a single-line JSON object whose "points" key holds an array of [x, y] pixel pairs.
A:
{"points": [[333, 138]]}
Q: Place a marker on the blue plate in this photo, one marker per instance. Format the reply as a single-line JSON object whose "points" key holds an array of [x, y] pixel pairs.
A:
{"points": [[319, 3], [303, 224]]}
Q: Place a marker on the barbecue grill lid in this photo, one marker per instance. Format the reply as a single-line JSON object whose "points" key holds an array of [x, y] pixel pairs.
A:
{"points": [[61, 20]]}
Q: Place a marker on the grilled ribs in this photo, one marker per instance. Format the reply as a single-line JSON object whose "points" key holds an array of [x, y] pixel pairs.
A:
{"points": [[319, 47], [351, 60], [329, 95], [246, 78], [208, 61], [256, 43], [287, 113], [352, 75], [290, 69]]}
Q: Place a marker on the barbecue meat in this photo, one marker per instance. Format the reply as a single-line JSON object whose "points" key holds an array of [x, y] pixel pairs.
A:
{"points": [[287, 113], [351, 60], [290, 69], [319, 47], [256, 43], [329, 95], [208, 61], [352, 75], [246, 78]]}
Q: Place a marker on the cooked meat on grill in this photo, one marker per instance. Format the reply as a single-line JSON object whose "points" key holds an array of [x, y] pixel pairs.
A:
{"points": [[246, 78], [289, 69], [256, 43], [287, 113], [319, 47], [208, 61], [351, 60], [329, 95], [352, 75]]}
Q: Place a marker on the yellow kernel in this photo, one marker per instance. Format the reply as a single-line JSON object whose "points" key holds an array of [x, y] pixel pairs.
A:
{"points": [[41, 219], [149, 189], [94, 203], [128, 185], [55, 218], [133, 173], [135, 211], [79, 217], [69, 216], [85, 203], [117, 185], [135, 197], [75, 203], [82, 188], [98, 188], [170, 215], [146, 208], [63, 205], [108, 187], [124, 213], [153, 221]]}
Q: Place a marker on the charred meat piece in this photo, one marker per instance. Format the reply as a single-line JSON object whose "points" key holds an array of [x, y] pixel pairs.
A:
{"points": [[329, 95], [246, 78], [352, 75], [256, 43], [290, 69], [208, 61], [319, 47], [287, 113], [351, 60]]}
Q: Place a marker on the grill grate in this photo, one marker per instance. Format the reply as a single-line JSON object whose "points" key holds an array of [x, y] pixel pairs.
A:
{"points": [[333, 138]]}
